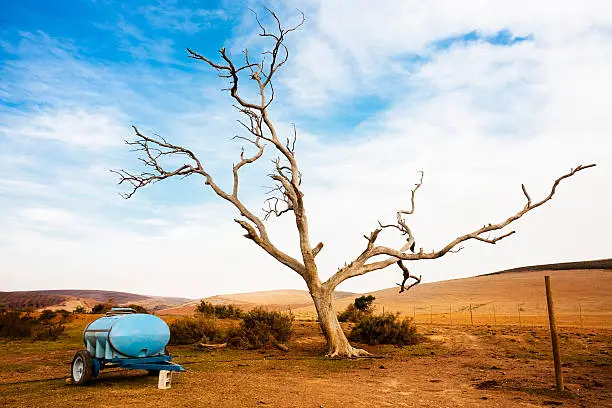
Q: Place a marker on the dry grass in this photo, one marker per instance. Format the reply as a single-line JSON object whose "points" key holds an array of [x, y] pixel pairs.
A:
{"points": [[456, 366], [496, 299]]}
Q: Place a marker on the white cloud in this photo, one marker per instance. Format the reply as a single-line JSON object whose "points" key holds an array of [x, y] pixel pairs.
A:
{"points": [[370, 36], [324, 75], [76, 128], [46, 215]]}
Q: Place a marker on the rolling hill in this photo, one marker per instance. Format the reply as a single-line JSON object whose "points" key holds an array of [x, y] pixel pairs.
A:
{"points": [[71, 298], [581, 292], [272, 299], [501, 296], [580, 289]]}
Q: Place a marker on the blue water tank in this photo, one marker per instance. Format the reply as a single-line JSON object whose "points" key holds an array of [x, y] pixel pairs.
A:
{"points": [[126, 336]]}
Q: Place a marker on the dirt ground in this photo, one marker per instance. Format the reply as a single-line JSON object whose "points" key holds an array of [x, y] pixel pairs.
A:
{"points": [[501, 366]]}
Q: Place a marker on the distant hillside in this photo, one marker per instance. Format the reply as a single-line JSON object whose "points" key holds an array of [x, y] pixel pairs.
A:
{"points": [[564, 266], [577, 285], [585, 291], [272, 299], [71, 298]]}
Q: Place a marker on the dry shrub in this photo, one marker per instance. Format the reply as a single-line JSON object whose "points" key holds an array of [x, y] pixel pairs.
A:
{"points": [[362, 306], [138, 308], [387, 328], [16, 324], [261, 328], [79, 310], [219, 311], [102, 308], [65, 314], [350, 314], [48, 331], [190, 330], [47, 315]]}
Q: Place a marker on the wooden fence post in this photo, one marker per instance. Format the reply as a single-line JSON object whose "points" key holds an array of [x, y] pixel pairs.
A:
{"points": [[494, 316], [553, 335], [471, 317]]}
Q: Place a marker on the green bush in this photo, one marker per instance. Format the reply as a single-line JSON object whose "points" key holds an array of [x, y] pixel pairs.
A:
{"points": [[261, 328], [228, 312], [364, 303], [138, 308], [387, 328], [46, 315], [205, 308], [101, 308], [350, 314], [362, 306], [190, 330], [219, 311]]}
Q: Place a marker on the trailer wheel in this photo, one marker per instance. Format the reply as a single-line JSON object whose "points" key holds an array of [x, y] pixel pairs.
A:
{"points": [[81, 369]]}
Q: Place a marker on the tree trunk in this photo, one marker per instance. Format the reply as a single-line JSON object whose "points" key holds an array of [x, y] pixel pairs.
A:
{"points": [[337, 343]]}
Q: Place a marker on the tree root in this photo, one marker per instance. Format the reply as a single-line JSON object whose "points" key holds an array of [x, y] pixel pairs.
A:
{"points": [[347, 352]]}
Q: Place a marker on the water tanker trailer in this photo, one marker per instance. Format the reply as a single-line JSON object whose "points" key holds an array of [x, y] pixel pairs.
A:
{"points": [[126, 339]]}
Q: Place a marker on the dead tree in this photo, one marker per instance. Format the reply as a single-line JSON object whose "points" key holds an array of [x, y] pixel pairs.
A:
{"points": [[286, 197]]}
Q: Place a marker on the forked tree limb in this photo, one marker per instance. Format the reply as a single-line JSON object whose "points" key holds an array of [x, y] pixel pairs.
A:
{"points": [[407, 275], [350, 269], [401, 225], [361, 267]]}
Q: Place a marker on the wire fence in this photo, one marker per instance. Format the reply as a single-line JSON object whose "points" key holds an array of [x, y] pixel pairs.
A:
{"points": [[491, 314]]}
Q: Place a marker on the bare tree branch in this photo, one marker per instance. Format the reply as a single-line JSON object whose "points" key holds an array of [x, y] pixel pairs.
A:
{"points": [[360, 267], [260, 131], [407, 275], [413, 192], [317, 249]]}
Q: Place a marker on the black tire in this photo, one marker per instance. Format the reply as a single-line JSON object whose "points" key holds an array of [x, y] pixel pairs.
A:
{"points": [[153, 373], [81, 369]]}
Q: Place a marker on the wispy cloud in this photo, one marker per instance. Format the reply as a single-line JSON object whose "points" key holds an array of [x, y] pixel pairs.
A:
{"points": [[140, 46], [170, 16], [77, 128]]}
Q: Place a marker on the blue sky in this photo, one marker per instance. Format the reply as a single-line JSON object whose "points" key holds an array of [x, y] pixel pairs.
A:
{"points": [[482, 98]]}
